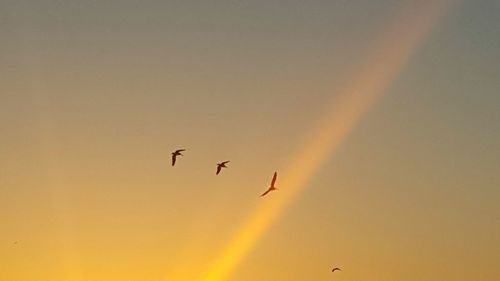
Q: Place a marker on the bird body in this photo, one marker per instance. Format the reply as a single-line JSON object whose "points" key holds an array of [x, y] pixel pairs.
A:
{"points": [[220, 166], [272, 187], [176, 153]]}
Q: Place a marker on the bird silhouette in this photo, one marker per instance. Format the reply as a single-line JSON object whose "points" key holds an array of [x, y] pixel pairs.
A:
{"points": [[272, 187], [333, 270], [175, 154], [220, 166]]}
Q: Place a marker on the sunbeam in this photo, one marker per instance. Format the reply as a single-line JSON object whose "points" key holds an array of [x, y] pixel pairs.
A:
{"points": [[367, 84]]}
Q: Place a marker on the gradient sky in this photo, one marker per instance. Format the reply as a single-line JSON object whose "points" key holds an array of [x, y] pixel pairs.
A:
{"points": [[94, 95]]}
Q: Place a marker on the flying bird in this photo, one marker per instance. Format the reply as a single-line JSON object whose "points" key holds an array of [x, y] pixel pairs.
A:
{"points": [[220, 166], [272, 187], [333, 270], [175, 154]]}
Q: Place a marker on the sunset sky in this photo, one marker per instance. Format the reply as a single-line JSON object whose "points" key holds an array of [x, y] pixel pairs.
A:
{"points": [[382, 119]]}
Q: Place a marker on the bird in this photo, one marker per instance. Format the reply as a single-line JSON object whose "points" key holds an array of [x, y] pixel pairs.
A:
{"points": [[272, 187], [220, 166], [175, 154], [333, 270]]}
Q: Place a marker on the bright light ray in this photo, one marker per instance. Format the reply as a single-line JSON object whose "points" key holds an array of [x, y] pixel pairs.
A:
{"points": [[394, 49]]}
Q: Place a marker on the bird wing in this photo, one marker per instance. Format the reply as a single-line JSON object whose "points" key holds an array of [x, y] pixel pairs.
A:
{"points": [[267, 191], [274, 179], [335, 269], [225, 162], [219, 167], [179, 150], [173, 159]]}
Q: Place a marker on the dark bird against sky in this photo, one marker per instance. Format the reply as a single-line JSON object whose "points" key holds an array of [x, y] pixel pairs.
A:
{"points": [[175, 154], [272, 187], [333, 270], [220, 166]]}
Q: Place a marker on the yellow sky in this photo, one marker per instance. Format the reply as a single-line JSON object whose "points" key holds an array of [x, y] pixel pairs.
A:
{"points": [[387, 165], [360, 93]]}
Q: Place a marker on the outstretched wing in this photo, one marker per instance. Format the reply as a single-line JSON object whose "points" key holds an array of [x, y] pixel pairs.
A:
{"points": [[274, 179], [336, 269], [219, 167], [225, 162], [178, 151], [267, 191], [173, 159]]}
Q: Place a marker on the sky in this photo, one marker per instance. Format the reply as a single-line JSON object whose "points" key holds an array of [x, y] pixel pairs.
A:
{"points": [[382, 119]]}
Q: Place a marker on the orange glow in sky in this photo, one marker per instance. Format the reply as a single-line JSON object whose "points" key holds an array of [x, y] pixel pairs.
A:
{"points": [[360, 93], [380, 117]]}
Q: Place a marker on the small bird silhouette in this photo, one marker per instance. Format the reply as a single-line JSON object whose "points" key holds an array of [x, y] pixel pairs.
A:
{"points": [[333, 270], [220, 166], [175, 154], [272, 187]]}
